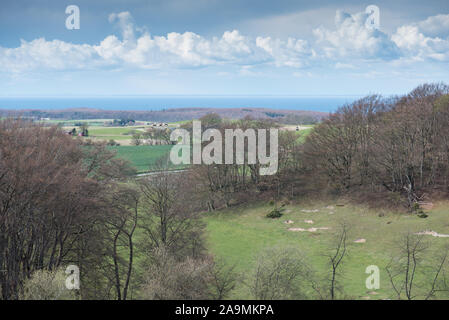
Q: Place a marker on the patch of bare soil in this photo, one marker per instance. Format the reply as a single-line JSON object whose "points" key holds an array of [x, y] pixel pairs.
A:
{"points": [[309, 229], [433, 234]]}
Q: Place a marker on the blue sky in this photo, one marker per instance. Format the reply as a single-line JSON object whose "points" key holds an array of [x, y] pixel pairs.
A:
{"points": [[217, 47]]}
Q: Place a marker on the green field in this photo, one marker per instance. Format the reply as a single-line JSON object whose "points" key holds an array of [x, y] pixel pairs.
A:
{"points": [[141, 157], [115, 133], [303, 134], [238, 235], [105, 131]]}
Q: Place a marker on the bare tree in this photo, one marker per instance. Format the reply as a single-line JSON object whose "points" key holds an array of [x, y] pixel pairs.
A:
{"points": [[280, 273], [411, 268], [223, 279], [170, 213], [122, 226], [336, 257], [159, 135], [137, 139]]}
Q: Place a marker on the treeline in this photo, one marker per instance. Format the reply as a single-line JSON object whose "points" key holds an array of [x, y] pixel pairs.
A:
{"points": [[380, 150], [55, 203], [396, 147], [62, 203], [223, 185]]}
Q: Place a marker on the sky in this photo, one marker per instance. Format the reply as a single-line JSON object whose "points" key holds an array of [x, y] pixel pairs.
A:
{"points": [[221, 47]]}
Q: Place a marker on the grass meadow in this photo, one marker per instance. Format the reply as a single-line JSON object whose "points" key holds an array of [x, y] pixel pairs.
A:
{"points": [[141, 157], [237, 235]]}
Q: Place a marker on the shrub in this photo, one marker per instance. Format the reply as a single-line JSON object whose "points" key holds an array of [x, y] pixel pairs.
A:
{"points": [[112, 142], [170, 279], [47, 285], [275, 213], [280, 273]]}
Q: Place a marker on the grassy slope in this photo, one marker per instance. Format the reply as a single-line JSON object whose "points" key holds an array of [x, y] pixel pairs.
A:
{"points": [[237, 235]]}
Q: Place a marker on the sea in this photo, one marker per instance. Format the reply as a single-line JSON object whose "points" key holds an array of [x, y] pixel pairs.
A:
{"points": [[156, 103]]}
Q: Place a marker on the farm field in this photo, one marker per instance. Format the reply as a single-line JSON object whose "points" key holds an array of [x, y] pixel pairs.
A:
{"points": [[303, 133], [99, 132], [141, 157], [238, 235], [122, 135]]}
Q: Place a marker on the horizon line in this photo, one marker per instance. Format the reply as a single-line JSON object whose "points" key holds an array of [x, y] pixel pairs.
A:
{"points": [[198, 95]]}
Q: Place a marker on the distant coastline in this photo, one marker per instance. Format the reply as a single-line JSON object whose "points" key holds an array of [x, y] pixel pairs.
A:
{"points": [[169, 115], [159, 103]]}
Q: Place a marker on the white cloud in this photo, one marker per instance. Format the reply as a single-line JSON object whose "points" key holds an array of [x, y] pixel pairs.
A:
{"points": [[125, 22], [424, 40], [54, 55], [344, 46], [352, 39], [290, 53], [435, 26]]}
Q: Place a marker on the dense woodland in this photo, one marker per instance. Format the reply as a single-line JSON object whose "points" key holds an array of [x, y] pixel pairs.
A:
{"points": [[64, 203]]}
